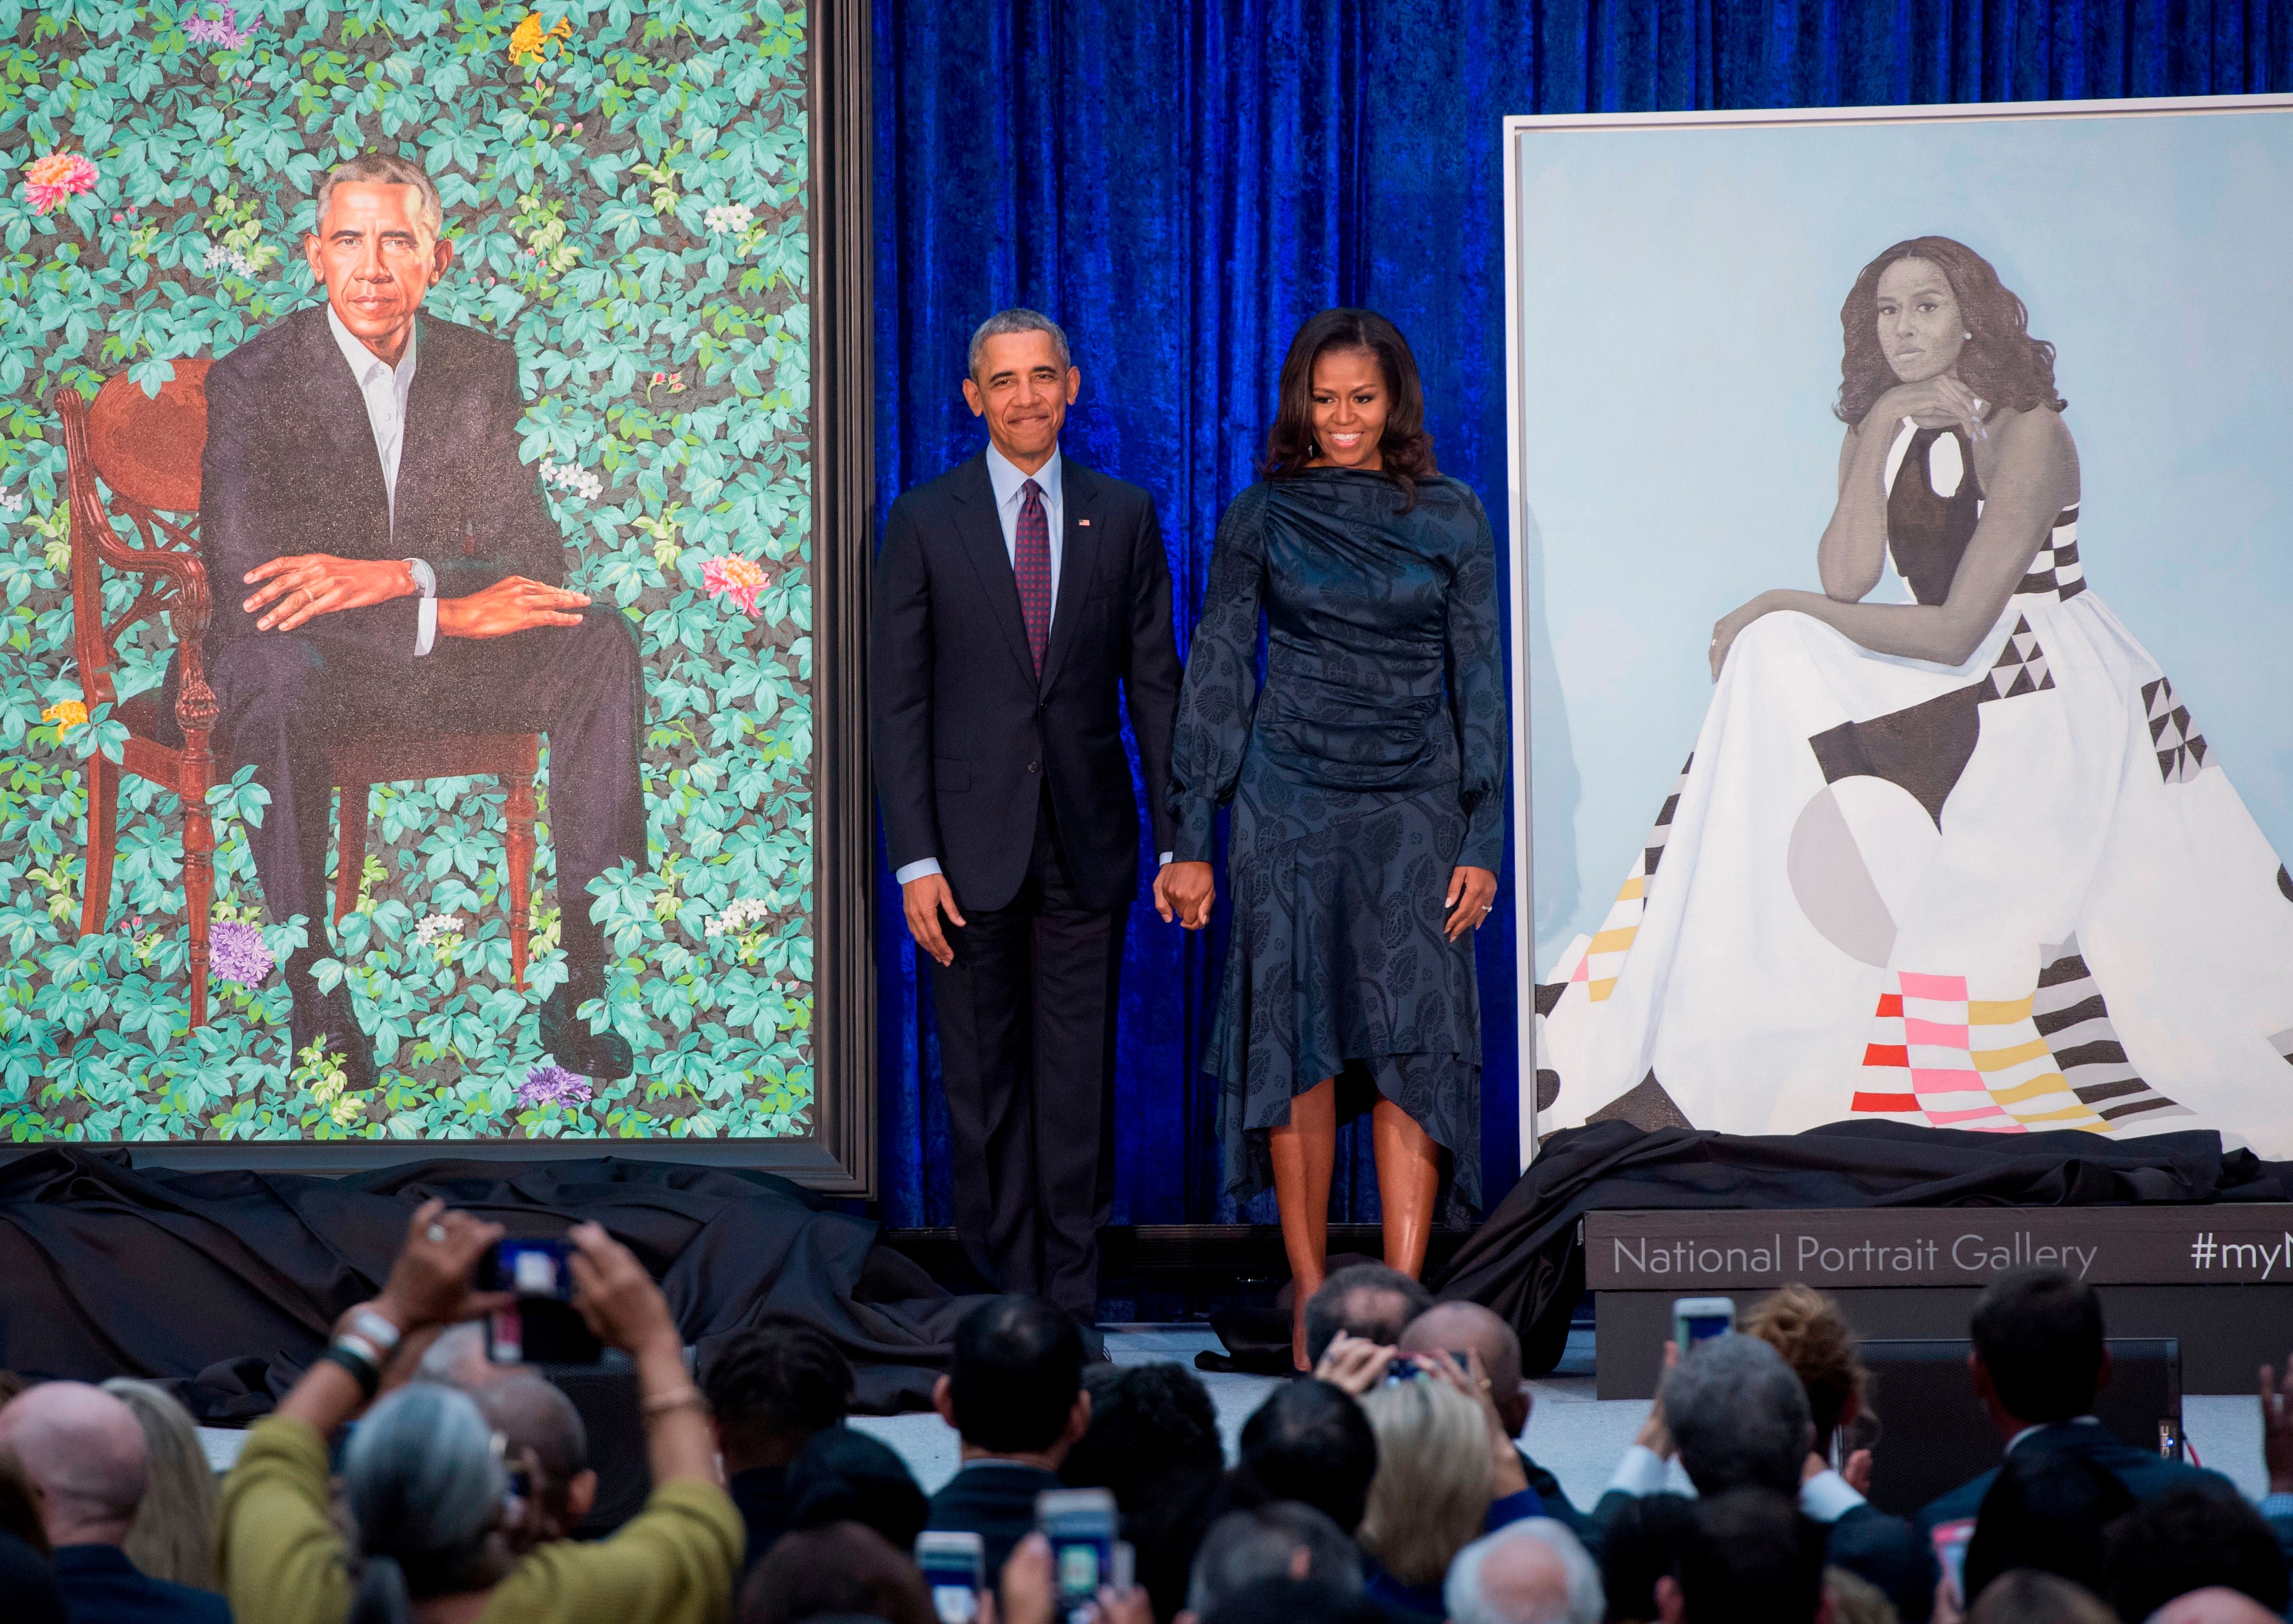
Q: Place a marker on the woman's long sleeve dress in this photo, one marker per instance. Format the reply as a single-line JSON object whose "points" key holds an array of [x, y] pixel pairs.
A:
{"points": [[1369, 766]]}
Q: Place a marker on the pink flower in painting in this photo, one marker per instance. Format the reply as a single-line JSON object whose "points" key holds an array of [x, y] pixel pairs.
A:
{"points": [[48, 180], [736, 578], [222, 30]]}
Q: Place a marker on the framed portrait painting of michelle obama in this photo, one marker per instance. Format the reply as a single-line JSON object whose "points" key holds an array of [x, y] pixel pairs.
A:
{"points": [[433, 470], [1904, 537]]}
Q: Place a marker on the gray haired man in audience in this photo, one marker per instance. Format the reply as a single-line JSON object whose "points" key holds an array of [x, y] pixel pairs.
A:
{"points": [[1286, 1540], [1534, 1571]]}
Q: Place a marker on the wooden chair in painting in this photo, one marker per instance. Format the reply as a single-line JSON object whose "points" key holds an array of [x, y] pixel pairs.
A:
{"points": [[145, 453]]}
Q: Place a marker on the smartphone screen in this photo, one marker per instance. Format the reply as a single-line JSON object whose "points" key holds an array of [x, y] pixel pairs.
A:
{"points": [[1696, 1319], [543, 1327], [1950, 1542], [951, 1564], [1080, 1525]]}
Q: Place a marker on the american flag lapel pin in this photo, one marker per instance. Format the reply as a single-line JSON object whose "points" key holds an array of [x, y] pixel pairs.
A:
{"points": [[1085, 524]]}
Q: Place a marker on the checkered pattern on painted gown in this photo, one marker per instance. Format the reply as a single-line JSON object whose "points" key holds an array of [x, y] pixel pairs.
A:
{"points": [[1032, 560]]}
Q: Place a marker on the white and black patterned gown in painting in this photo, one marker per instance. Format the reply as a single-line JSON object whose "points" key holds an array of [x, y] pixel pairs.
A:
{"points": [[2017, 894]]}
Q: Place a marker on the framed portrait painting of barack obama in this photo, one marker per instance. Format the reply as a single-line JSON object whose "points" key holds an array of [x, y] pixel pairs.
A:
{"points": [[433, 457], [1906, 543]]}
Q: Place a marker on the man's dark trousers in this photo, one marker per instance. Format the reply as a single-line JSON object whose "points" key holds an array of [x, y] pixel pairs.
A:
{"points": [[286, 697], [1027, 1017]]}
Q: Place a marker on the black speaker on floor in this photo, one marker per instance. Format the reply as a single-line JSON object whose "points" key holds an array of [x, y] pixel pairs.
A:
{"points": [[1934, 1435], [606, 1397]]}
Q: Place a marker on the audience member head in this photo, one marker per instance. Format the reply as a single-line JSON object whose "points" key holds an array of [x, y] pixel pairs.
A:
{"points": [[1462, 1327], [1285, 1540], [1431, 1496], [1309, 1442], [2024, 1596], [1365, 1300], [542, 1436], [1015, 1385], [1295, 1601], [84, 1454], [2042, 1511], [173, 1537], [1748, 1557], [1641, 1542], [2038, 1350], [844, 1476], [425, 1494], [1530, 1573], [20, 1507], [772, 1387], [845, 1570], [1146, 1423], [11, 1385], [2204, 1537], [1739, 1416], [2214, 1605], [458, 1359], [1808, 1329], [1853, 1599]]}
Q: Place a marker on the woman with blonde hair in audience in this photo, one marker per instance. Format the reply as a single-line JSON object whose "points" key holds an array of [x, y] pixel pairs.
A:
{"points": [[174, 1534], [1808, 1329], [1446, 1475]]}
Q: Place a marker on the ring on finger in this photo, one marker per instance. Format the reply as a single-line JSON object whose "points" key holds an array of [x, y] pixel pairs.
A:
{"points": [[435, 1234]]}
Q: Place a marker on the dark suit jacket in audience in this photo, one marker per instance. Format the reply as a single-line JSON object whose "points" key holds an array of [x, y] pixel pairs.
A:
{"points": [[761, 1492], [30, 1588], [1557, 1504], [1891, 1552], [2145, 1473], [101, 1585], [994, 1499]]}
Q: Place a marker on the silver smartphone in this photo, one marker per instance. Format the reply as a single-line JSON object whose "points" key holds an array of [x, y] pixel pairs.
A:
{"points": [[954, 1569], [1696, 1319]]}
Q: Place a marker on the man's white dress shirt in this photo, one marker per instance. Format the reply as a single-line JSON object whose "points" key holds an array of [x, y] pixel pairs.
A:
{"points": [[1825, 1497], [1010, 486], [384, 387]]}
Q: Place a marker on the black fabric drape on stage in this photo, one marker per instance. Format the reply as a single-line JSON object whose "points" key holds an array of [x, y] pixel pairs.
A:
{"points": [[226, 1284], [1527, 1262]]}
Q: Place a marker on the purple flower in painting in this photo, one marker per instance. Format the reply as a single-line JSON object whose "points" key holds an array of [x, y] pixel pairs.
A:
{"points": [[235, 953], [552, 1084], [222, 30]]}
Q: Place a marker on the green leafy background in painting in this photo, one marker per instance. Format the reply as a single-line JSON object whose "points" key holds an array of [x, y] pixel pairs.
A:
{"points": [[624, 184]]}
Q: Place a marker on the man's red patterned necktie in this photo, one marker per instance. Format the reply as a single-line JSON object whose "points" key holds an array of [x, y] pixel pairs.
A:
{"points": [[1033, 561]]}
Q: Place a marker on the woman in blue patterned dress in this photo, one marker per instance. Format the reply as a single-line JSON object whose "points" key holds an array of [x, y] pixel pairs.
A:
{"points": [[1365, 779]]}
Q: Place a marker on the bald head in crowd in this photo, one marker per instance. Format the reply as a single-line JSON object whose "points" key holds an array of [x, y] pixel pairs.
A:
{"points": [[84, 1453], [1467, 1327]]}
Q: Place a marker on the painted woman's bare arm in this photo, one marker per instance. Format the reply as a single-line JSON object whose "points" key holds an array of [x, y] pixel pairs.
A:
{"points": [[1855, 542], [2035, 478]]}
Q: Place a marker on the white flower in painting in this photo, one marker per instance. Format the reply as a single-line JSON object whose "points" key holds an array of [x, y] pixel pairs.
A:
{"points": [[741, 917], [435, 925], [11, 502], [728, 219], [221, 258], [573, 479]]}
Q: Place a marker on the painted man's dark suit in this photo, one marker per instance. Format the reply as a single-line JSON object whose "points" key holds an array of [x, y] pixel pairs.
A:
{"points": [[1018, 785], [291, 467]]}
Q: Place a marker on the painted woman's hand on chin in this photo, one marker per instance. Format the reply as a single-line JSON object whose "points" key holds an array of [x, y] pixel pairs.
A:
{"points": [[1731, 626], [1941, 401]]}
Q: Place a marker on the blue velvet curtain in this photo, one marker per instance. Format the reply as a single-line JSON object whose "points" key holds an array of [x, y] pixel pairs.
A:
{"points": [[1180, 182]]}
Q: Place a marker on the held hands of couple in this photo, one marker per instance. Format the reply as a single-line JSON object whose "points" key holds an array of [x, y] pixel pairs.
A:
{"points": [[296, 590], [1184, 892]]}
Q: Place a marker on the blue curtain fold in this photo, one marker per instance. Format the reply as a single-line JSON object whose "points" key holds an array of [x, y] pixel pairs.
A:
{"points": [[1182, 184]]}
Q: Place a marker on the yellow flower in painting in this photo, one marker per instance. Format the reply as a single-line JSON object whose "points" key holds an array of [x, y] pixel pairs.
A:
{"points": [[69, 714], [528, 41]]}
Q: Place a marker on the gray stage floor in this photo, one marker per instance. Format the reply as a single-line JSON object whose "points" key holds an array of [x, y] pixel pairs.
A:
{"points": [[1572, 1435]]}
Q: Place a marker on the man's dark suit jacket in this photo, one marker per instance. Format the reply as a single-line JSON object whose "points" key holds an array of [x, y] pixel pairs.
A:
{"points": [[101, 1585], [994, 1499], [965, 734], [290, 468], [1889, 1551], [2145, 1473]]}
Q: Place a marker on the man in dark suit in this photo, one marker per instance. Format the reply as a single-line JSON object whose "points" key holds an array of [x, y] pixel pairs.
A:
{"points": [[1014, 597], [381, 562], [86, 1455], [2039, 1357], [1014, 1394]]}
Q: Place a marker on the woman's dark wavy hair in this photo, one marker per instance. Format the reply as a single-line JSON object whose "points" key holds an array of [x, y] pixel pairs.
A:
{"points": [[2001, 362], [1406, 448]]}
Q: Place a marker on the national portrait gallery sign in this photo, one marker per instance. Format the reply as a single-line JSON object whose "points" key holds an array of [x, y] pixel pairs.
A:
{"points": [[2225, 1244]]}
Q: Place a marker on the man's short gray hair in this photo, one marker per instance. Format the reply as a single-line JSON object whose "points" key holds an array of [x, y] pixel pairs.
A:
{"points": [[1018, 320], [1245, 1546], [1740, 1416], [384, 169], [1467, 1602]]}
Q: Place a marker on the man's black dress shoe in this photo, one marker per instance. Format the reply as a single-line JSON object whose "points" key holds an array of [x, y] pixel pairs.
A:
{"points": [[602, 1057]]}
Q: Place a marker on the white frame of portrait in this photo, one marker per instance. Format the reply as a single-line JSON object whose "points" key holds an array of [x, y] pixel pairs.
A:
{"points": [[1515, 130]]}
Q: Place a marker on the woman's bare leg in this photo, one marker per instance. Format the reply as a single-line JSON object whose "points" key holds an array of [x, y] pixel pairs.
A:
{"points": [[1304, 1149], [1408, 1180]]}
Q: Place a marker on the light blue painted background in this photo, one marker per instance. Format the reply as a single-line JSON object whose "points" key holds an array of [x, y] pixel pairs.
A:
{"points": [[1680, 307]]}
